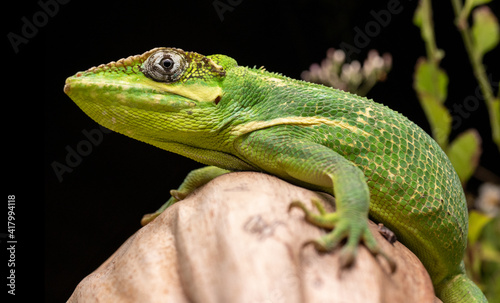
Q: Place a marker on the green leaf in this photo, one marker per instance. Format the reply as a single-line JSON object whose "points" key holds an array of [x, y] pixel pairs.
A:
{"points": [[464, 153], [439, 119], [430, 83], [477, 222], [490, 253], [431, 80], [485, 31], [418, 15]]}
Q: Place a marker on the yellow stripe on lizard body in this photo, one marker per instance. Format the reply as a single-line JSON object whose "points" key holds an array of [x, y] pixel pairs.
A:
{"points": [[248, 127], [374, 160]]}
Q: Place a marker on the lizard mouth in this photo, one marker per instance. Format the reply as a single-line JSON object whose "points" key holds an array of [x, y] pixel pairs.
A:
{"points": [[124, 92]]}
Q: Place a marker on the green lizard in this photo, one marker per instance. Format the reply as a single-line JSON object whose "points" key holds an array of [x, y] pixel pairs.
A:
{"points": [[375, 161]]}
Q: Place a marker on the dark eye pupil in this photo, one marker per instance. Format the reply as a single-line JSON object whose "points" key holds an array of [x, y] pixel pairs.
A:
{"points": [[167, 63]]}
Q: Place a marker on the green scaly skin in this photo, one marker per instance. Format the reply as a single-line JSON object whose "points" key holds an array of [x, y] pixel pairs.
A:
{"points": [[374, 160]]}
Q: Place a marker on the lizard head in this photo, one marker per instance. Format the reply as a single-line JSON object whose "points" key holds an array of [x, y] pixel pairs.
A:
{"points": [[162, 90]]}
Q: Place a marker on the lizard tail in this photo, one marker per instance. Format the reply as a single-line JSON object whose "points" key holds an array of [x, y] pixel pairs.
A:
{"points": [[459, 289]]}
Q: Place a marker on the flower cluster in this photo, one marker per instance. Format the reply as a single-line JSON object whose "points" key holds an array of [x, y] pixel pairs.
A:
{"points": [[489, 199], [352, 77]]}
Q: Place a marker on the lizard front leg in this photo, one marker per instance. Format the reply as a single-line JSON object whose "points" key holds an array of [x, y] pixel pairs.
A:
{"points": [[193, 180], [292, 156]]}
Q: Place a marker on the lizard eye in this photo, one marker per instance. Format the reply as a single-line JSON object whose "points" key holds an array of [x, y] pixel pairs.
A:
{"points": [[165, 66]]}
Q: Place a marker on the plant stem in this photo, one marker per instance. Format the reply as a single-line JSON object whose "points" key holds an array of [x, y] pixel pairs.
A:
{"points": [[433, 53], [492, 103]]}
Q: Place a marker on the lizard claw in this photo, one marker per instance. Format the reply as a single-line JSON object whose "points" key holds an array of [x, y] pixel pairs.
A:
{"points": [[178, 195], [148, 218], [318, 245], [353, 229], [323, 244], [324, 219], [298, 204]]}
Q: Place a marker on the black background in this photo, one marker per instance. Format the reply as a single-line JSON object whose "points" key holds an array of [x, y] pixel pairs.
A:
{"points": [[67, 229]]}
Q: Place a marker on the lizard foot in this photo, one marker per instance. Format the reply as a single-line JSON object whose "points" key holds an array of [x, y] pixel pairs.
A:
{"points": [[193, 180], [352, 228], [176, 196]]}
